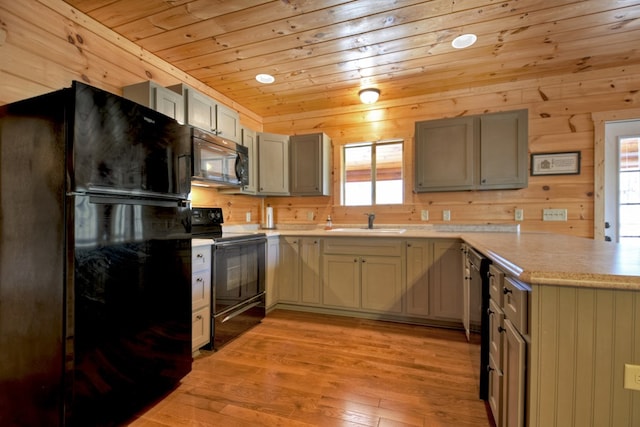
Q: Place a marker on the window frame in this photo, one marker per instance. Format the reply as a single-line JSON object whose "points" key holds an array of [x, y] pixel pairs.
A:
{"points": [[373, 169]]}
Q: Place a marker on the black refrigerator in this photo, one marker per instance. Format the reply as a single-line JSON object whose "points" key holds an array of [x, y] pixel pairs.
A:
{"points": [[95, 258]]}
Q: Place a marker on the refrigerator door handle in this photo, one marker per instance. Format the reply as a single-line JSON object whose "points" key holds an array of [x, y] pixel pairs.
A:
{"points": [[110, 200]]}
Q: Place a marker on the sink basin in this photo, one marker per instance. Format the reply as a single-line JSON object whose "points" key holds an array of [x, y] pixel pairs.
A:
{"points": [[369, 230]]}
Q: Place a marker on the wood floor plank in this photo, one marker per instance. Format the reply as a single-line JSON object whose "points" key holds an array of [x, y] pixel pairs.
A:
{"points": [[303, 369]]}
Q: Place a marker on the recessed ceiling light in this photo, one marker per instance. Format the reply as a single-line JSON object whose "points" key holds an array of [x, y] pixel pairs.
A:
{"points": [[265, 78], [464, 40]]}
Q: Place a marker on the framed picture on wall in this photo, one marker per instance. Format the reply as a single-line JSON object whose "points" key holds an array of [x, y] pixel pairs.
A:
{"points": [[555, 163]]}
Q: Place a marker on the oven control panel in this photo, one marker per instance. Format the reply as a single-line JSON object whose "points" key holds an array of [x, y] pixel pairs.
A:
{"points": [[206, 216]]}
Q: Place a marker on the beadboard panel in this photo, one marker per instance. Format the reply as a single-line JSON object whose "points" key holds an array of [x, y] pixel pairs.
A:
{"points": [[580, 340]]}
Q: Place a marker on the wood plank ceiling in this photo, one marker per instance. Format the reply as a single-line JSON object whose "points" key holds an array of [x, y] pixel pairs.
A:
{"points": [[321, 52]]}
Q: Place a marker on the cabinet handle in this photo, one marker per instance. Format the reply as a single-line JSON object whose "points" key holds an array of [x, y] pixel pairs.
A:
{"points": [[468, 277], [489, 311], [506, 291], [501, 329], [490, 274], [489, 368]]}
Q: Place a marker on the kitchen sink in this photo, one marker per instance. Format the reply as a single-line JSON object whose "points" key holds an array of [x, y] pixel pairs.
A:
{"points": [[370, 230]]}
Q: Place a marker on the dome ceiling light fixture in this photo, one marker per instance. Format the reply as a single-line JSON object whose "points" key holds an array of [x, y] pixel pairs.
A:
{"points": [[464, 40], [265, 78], [369, 95]]}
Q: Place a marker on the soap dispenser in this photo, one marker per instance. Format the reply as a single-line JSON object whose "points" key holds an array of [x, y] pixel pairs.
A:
{"points": [[328, 224]]}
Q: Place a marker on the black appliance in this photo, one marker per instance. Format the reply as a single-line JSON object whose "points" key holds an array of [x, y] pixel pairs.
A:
{"points": [[95, 258], [479, 273], [218, 161], [238, 276]]}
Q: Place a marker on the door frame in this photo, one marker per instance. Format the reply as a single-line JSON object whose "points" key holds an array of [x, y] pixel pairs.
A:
{"points": [[599, 121]]}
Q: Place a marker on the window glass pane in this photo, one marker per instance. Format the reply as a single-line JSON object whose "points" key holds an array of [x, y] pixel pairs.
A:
{"points": [[629, 187], [629, 221], [357, 175], [389, 174]]}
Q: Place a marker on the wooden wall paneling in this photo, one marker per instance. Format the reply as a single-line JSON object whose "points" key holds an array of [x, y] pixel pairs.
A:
{"points": [[234, 207]]}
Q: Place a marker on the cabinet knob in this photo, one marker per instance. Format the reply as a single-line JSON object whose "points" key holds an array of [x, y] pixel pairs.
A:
{"points": [[200, 256], [501, 329], [199, 279], [489, 368], [364, 260], [490, 274], [355, 260], [198, 317], [408, 245], [506, 291], [468, 277], [489, 311]]}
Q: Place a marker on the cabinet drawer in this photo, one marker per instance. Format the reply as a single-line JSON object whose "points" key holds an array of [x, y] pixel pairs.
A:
{"points": [[200, 289], [200, 328], [496, 279], [496, 329], [515, 303], [200, 258], [365, 246]]}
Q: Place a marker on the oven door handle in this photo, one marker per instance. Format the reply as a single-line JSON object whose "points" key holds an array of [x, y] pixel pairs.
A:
{"points": [[243, 242], [240, 311]]}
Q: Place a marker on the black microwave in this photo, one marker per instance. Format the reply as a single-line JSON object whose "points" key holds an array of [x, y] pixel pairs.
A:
{"points": [[218, 161]]}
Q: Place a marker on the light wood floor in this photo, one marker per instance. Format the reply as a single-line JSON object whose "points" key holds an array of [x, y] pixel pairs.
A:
{"points": [[302, 369]]}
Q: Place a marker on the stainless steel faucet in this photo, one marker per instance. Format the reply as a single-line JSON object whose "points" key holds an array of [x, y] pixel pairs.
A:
{"points": [[370, 217]]}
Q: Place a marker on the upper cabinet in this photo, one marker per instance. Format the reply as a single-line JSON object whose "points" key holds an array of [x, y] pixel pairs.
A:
{"points": [[159, 98], [273, 164], [249, 137], [483, 152], [310, 165], [205, 113]]}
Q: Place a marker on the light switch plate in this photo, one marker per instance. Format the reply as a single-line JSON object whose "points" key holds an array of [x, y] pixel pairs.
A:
{"points": [[631, 377], [248, 216], [554, 214], [446, 215], [424, 215], [519, 215]]}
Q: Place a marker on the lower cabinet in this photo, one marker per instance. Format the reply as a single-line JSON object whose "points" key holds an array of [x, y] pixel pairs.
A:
{"points": [[272, 256], [434, 283], [298, 271], [363, 274], [508, 332], [403, 279], [200, 296]]}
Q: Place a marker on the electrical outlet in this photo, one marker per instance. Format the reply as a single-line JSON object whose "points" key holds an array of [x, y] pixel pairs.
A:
{"points": [[310, 215], [424, 215], [631, 377], [519, 215], [446, 215], [554, 214], [248, 216]]}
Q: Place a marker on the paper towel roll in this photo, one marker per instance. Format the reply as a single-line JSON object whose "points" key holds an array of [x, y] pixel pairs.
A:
{"points": [[269, 217]]}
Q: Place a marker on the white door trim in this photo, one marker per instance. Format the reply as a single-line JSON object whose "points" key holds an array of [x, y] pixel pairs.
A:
{"points": [[599, 120]]}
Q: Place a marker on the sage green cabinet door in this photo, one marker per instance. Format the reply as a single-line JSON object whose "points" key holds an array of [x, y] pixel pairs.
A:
{"points": [[444, 151], [273, 251], [310, 270], [200, 110], [249, 140], [504, 150], [288, 272], [418, 266], [381, 284], [228, 123], [446, 299], [513, 381], [273, 164], [310, 165], [161, 99], [341, 281]]}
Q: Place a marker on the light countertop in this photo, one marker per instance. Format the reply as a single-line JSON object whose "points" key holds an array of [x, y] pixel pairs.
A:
{"points": [[535, 258]]}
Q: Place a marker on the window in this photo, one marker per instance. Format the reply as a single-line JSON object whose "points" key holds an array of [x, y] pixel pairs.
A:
{"points": [[372, 173], [629, 192]]}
